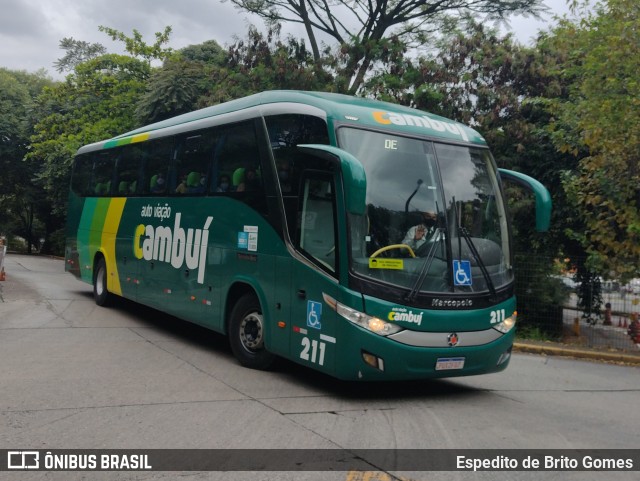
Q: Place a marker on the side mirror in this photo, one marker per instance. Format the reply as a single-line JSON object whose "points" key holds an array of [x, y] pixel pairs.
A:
{"points": [[542, 196]]}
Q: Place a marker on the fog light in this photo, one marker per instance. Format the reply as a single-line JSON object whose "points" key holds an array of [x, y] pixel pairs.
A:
{"points": [[373, 360]]}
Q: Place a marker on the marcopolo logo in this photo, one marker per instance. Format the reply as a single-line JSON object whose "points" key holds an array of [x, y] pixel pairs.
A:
{"points": [[388, 118], [174, 246], [402, 314]]}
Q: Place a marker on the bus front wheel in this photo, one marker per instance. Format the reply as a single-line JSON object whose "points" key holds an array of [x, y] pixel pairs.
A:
{"points": [[100, 293], [246, 334]]}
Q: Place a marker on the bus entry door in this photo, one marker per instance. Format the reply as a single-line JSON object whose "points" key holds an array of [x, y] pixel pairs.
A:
{"points": [[313, 340]]}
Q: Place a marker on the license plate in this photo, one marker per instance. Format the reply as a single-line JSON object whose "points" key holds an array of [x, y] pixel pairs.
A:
{"points": [[449, 363]]}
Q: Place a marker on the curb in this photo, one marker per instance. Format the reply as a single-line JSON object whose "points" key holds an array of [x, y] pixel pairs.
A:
{"points": [[576, 353]]}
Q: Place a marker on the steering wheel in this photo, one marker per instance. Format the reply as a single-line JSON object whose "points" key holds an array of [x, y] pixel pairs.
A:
{"points": [[393, 246]]}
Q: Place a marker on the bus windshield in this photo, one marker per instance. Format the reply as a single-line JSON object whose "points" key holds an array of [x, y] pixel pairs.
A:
{"points": [[435, 219]]}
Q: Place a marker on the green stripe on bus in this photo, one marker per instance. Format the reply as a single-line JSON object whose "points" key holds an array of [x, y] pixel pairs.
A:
{"points": [[127, 140], [84, 231], [90, 233]]}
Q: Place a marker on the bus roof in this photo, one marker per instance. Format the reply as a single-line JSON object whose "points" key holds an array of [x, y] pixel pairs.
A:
{"points": [[339, 107]]}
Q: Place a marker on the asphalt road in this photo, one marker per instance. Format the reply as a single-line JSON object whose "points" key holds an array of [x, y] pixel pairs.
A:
{"points": [[77, 376]]}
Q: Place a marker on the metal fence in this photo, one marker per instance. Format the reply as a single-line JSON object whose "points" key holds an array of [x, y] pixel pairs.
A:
{"points": [[552, 305]]}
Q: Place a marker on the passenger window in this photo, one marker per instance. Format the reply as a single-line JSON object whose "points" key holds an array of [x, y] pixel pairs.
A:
{"points": [[238, 158], [129, 167], [156, 178], [193, 163], [82, 173], [103, 173]]}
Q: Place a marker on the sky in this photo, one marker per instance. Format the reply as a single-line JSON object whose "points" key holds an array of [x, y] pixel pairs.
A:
{"points": [[31, 30]]}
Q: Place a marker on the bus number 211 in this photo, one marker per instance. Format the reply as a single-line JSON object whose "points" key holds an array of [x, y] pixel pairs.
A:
{"points": [[313, 351], [497, 316]]}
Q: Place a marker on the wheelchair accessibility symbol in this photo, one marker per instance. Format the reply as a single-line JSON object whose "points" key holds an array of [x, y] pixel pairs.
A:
{"points": [[462, 273], [314, 314]]}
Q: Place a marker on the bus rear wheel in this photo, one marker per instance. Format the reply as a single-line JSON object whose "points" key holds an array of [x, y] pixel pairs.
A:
{"points": [[100, 293], [246, 334]]}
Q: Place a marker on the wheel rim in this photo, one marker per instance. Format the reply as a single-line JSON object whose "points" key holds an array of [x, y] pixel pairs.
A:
{"points": [[100, 281], [251, 332]]}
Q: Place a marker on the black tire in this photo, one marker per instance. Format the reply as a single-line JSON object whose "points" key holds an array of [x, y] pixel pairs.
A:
{"points": [[100, 293], [246, 334]]}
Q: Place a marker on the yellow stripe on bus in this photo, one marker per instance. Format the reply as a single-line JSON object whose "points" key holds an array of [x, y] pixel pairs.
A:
{"points": [[140, 138], [109, 232]]}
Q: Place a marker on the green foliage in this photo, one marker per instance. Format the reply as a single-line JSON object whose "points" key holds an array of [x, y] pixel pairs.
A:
{"points": [[95, 102], [137, 47], [599, 122], [264, 62], [541, 296], [360, 29], [177, 86], [530, 333], [20, 200], [78, 51]]}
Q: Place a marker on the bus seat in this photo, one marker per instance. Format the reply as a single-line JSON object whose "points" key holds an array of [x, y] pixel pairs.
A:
{"points": [[238, 177], [193, 179], [193, 182], [123, 187], [153, 182]]}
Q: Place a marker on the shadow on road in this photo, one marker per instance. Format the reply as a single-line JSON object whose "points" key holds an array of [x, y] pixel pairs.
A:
{"points": [[206, 339]]}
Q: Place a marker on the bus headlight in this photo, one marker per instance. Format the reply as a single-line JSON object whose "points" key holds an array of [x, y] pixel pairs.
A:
{"points": [[506, 325], [373, 324]]}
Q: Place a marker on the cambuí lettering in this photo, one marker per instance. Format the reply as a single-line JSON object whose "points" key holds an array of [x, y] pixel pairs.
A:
{"points": [[401, 314], [174, 245], [424, 121]]}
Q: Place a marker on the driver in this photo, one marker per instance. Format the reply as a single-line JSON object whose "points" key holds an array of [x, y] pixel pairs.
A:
{"points": [[417, 235]]}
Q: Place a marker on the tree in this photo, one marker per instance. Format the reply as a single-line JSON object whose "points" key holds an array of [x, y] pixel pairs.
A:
{"points": [[599, 122], [137, 47], [171, 90], [20, 200], [95, 102], [360, 27], [78, 51], [176, 87], [260, 62]]}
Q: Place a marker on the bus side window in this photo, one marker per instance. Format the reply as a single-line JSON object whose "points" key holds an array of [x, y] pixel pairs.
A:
{"points": [[129, 169], [240, 156], [193, 162], [316, 233], [157, 160], [81, 178], [103, 173]]}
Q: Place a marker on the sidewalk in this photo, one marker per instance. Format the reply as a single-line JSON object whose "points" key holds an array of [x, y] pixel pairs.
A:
{"points": [[549, 348]]}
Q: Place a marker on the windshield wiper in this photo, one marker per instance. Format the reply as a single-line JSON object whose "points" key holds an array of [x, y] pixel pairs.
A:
{"points": [[437, 237], [476, 254]]}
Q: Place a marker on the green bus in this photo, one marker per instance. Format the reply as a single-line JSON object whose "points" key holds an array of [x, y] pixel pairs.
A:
{"points": [[364, 239]]}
